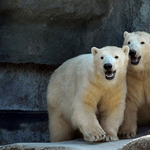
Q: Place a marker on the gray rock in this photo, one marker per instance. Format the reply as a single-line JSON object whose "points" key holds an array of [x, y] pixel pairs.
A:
{"points": [[25, 127], [78, 144], [50, 32], [23, 86], [36, 146], [142, 143], [48, 10], [23, 108]]}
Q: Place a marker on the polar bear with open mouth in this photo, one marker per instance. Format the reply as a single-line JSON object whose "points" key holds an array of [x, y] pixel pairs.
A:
{"points": [[87, 94], [138, 82]]}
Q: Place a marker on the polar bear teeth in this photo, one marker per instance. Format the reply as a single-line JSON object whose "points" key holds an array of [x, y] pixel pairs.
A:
{"points": [[110, 75], [135, 60]]}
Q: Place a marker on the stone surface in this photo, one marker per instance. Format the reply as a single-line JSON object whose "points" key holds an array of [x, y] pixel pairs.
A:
{"points": [[50, 32], [23, 108], [23, 126], [78, 144], [46, 10], [142, 143], [23, 86], [46, 32]]}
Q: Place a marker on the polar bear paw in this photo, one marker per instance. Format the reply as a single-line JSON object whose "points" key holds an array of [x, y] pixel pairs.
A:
{"points": [[93, 134], [110, 138], [126, 134]]}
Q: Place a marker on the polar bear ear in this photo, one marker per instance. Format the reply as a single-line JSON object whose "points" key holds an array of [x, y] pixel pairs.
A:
{"points": [[125, 34], [125, 49], [94, 50]]}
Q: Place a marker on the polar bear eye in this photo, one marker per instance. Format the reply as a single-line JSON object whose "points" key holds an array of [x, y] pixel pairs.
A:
{"points": [[128, 42], [142, 42], [102, 57], [116, 57]]}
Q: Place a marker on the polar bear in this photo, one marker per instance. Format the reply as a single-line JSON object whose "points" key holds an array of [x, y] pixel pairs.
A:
{"points": [[87, 93], [138, 82]]}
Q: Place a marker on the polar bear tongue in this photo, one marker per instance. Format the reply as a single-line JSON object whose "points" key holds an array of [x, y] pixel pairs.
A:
{"points": [[135, 60]]}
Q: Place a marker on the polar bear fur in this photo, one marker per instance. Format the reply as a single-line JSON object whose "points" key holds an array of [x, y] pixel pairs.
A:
{"points": [[138, 82], [83, 95]]}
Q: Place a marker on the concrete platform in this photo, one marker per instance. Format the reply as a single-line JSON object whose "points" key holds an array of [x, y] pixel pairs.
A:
{"points": [[78, 144]]}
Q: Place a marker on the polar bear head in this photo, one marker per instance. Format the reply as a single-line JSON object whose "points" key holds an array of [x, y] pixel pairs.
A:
{"points": [[139, 46], [110, 61]]}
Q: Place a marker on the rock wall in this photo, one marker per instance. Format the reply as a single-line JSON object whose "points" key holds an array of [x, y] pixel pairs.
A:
{"points": [[37, 36]]}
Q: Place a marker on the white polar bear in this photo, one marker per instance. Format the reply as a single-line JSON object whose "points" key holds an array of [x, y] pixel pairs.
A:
{"points": [[88, 93], [138, 81]]}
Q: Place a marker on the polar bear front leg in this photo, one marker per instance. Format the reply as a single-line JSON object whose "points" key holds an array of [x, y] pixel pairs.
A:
{"points": [[129, 126], [111, 121], [85, 119], [88, 125]]}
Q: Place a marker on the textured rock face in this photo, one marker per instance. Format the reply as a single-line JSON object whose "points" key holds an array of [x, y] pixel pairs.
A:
{"points": [[23, 109], [23, 126], [142, 143], [23, 86], [37, 36], [50, 32], [49, 10]]}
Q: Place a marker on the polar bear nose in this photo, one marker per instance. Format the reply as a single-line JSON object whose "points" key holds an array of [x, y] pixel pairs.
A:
{"points": [[107, 66], [132, 52]]}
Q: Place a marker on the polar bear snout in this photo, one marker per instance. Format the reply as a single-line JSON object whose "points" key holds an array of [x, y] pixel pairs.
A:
{"points": [[132, 52], [134, 58], [109, 73], [107, 66]]}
